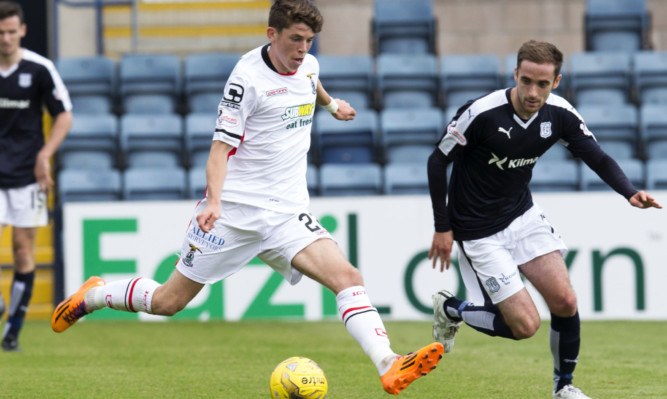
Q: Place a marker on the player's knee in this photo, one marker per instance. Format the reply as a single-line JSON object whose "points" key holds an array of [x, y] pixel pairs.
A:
{"points": [[526, 328], [565, 306]]}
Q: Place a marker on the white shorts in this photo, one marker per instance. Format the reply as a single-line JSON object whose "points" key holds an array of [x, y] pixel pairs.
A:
{"points": [[23, 206], [241, 233], [490, 265]]}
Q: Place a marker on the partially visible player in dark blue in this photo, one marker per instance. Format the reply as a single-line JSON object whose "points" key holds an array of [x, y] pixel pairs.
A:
{"points": [[493, 143], [28, 83]]}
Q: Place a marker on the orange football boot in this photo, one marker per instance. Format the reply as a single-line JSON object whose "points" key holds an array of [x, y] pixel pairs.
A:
{"points": [[72, 309], [408, 368]]}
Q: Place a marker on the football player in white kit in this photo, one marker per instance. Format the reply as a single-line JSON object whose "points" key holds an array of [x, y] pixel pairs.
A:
{"points": [[257, 199], [494, 142]]}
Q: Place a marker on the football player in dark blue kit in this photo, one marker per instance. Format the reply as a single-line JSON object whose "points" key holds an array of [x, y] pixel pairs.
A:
{"points": [[28, 82], [494, 142]]}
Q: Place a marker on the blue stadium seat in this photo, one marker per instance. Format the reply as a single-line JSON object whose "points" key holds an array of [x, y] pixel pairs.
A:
{"points": [[612, 122], [149, 104], [600, 77], [196, 182], [650, 76], [90, 81], [150, 75], [618, 149], [199, 128], [616, 25], [91, 142], [349, 77], [313, 180], [406, 178], [205, 75], [557, 152], [467, 76], [165, 183], [653, 128], [350, 180], [88, 185], [152, 140], [403, 26], [633, 168], [409, 153], [555, 175], [656, 174], [354, 141], [407, 81], [409, 127]]}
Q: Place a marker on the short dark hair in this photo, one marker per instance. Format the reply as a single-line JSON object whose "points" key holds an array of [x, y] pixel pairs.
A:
{"points": [[540, 53], [285, 13], [11, 9]]}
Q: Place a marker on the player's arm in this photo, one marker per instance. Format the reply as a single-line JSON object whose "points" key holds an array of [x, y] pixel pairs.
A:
{"points": [[59, 129], [340, 109], [443, 238], [216, 171]]}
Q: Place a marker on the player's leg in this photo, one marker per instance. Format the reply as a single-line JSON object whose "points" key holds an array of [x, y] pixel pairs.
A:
{"points": [[23, 249], [548, 274], [323, 261]]}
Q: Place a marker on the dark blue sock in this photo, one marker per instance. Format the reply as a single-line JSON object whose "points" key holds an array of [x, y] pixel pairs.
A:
{"points": [[564, 339], [486, 319], [18, 305]]}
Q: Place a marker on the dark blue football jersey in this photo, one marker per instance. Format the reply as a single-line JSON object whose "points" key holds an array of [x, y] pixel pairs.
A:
{"points": [[493, 153], [24, 90]]}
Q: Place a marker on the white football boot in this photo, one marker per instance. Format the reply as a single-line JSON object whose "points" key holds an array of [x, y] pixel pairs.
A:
{"points": [[444, 328], [570, 392]]}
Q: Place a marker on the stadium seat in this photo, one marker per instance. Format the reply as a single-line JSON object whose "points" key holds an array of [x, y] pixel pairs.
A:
{"points": [[90, 82], [407, 81], [633, 168], [600, 77], [653, 128], [612, 122], [557, 152], [165, 183], [467, 76], [403, 26], [650, 76], [92, 141], [349, 77], [409, 153], [313, 180], [410, 127], [149, 104], [205, 75], [148, 75], [89, 185], [354, 141], [656, 174], [196, 182], [406, 178], [152, 140], [199, 129], [555, 175], [350, 180], [616, 25]]}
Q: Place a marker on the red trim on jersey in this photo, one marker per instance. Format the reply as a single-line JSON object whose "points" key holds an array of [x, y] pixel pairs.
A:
{"points": [[353, 309], [233, 151], [129, 302], [288, 74]]}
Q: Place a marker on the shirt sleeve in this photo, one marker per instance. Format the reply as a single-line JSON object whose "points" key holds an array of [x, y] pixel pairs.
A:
{"points": [[236, 104], [437, 185]]}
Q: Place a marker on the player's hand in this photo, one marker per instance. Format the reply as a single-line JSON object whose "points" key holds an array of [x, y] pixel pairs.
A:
{"points": [[43, 173], [206, 219], [441, 248], [643, 200], [345, 111]]}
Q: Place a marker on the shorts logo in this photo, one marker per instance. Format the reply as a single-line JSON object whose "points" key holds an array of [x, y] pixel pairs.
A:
{"points": [[25, 80], [190, 256], [492, 285]]}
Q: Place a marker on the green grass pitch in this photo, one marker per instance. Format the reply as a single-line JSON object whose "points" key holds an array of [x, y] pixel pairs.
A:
{"points": [[103, 359]]}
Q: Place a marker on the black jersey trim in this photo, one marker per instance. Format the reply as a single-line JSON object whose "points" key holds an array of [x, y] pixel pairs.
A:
{"points": [[232, 135]]}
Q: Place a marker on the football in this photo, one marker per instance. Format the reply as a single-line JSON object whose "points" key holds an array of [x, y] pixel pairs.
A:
{"points": [[298, 377]]}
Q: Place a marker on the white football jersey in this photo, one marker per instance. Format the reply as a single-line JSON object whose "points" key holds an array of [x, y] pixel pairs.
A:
{"points": [[267, 116]]}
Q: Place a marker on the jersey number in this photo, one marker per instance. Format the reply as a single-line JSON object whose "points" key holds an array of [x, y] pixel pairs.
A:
{"points": [[310, 224]]}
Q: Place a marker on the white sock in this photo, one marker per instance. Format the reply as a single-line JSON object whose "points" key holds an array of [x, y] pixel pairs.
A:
{"points": [[363, 322], [130, 295]]}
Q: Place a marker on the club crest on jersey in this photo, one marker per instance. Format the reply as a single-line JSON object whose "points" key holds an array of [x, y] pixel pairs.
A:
{"points": [[25, 80], [312, 82], [545, 129], [492, 285]]}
